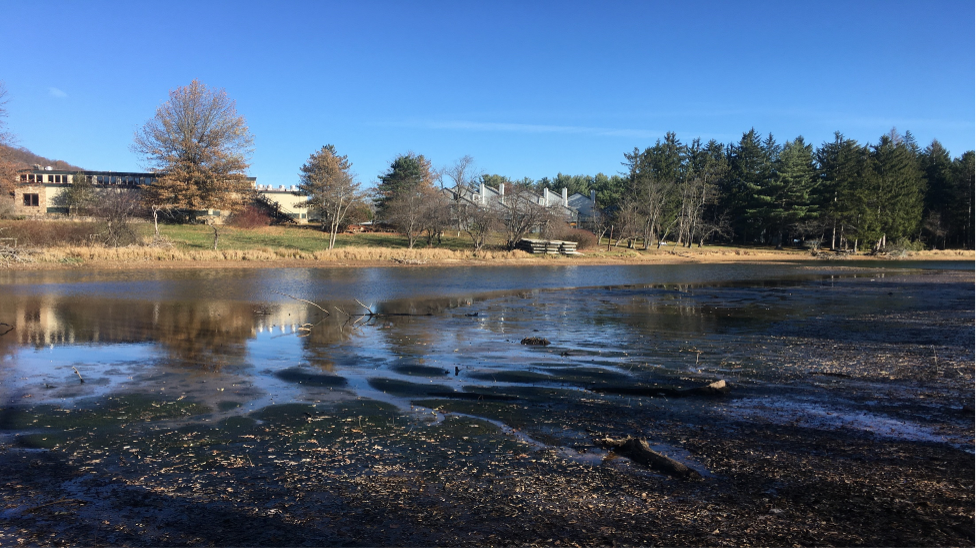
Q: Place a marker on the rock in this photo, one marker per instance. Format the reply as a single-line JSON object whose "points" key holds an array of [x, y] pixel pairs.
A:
{"points": [[535, 341]]}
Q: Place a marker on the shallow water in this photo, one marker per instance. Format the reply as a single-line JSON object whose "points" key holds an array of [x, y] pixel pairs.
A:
{"points": [[235, 341]]}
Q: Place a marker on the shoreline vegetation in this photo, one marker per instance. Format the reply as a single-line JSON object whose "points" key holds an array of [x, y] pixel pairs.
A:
{"points": [[187, 246]]}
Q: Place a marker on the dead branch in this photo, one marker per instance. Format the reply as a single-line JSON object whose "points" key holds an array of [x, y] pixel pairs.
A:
{"points": [[79, 375], [314, 304], [638, 451], [52, 503], [370, 312]]}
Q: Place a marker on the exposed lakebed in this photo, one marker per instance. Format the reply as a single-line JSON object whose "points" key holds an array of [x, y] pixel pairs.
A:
{"points": [[269, 396]]}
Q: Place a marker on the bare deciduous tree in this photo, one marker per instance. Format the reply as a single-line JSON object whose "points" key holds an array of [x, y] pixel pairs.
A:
{"points": [[327, 182], [522, 214], [478, 223], [436, 215], [8, 170], [199, 147], [115, 209], [406, 211]]}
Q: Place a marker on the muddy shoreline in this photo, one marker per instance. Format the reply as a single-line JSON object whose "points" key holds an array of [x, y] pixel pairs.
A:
{"points": [[847, 425]]}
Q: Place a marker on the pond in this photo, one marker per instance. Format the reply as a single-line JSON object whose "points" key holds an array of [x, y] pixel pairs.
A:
{"points": [[422, 371]]}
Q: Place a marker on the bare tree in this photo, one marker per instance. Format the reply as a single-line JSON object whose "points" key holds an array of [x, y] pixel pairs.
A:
{"points": [[478, 222], [327, 182], [116, 209], [462, 174], [437, 215], [406, 211], [522, 214], [8, 169], [199, 147], [628, 222]]}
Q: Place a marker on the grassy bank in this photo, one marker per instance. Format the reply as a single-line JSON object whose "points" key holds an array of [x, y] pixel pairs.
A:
{"points": [[48, 245]]}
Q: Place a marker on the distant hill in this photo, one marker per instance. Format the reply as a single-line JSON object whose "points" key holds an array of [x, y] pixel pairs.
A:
{"points": [[22, 158]]}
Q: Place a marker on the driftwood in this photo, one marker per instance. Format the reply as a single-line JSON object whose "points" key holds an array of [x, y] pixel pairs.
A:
{"points": [[714, 389], [638, 451]]}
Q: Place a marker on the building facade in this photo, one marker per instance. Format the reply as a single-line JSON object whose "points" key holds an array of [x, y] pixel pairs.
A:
{"points": [[39, 193]]}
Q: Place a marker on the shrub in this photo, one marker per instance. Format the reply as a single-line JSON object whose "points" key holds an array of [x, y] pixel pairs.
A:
{"points": [[249, 217], [585, 239], [6, 209], [39, 234]]}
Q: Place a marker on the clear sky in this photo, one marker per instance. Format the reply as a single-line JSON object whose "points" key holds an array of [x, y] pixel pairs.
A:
{"points": [[528, 88]]}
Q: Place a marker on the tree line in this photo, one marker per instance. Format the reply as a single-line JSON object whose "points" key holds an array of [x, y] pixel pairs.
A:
{"points": [[842, 195]]}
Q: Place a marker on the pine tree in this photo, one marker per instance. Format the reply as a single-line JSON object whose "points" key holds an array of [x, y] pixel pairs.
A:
{"points": [[784, 199], [936, 164], [327, 183], [962, 212], [842, 168], [408, 173], [895, 194], [750, 169]]}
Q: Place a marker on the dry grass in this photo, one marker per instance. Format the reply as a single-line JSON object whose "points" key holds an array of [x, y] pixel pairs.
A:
{"points": [[75, 254]]}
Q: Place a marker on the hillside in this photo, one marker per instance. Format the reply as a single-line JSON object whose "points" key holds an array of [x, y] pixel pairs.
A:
{"points": [[23, 158]]}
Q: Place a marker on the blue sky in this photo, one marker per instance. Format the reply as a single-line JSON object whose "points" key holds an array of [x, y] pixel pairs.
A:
{"points": [[526, 88]]}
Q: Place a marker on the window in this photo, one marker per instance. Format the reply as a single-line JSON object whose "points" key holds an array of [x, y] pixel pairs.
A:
{"points": [[31, 199], [23, 178]]}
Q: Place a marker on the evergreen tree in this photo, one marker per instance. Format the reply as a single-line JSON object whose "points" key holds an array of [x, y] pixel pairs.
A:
{"points": [[327, 183], [408, 173], [895, 194], [750, 169], [784, 199], [842, 169], [962, 212], [936, 164]]}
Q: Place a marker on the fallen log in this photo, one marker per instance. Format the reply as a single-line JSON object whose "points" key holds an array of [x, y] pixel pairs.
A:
{"points": [[714, 389], [638, 451]]}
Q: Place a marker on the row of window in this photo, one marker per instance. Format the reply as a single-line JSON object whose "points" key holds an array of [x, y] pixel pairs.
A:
{"points": [[39, 178], [98, 180]]}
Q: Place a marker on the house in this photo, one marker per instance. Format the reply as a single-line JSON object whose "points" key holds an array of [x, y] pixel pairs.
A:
{"points": [[571, 209]]}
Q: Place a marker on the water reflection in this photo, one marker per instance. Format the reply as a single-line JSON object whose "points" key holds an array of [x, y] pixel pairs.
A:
{"points": [[226, 342]]}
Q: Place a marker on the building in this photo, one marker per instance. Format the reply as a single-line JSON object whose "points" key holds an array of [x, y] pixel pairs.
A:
{"points": [[39, 191], [574, 209]]}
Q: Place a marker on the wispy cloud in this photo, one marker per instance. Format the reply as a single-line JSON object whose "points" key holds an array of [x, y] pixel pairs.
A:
{"points": [[514, 127], [54, 92]]}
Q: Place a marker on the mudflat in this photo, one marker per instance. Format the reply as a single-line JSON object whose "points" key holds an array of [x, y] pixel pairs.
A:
{"points": [[849, 421]]}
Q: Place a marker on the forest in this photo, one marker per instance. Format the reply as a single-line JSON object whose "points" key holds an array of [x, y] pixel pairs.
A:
{"points": [[841, 195]]}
